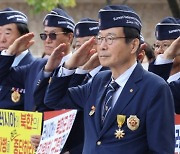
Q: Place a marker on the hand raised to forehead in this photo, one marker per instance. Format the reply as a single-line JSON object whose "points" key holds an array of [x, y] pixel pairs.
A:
{"points": [[173, 50], [56, 57], [81, 55], [92, 63], [20, 44]]}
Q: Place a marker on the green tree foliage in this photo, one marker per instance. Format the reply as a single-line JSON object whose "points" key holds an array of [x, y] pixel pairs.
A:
{"points": [[48, 5]]}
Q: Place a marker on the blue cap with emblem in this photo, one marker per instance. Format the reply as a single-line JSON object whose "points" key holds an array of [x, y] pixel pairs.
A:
{"points": [[86, 27], [118, 16], [167, 29], [10, 15], [59, 18]]}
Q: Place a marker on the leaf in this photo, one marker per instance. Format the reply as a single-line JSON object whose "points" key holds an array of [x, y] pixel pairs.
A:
{"points": [[48, 5]]}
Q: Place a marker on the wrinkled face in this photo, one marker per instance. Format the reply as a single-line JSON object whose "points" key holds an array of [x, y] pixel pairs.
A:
{"points": [[112, 49], [55, 38], [79, 41], [161, 46], [8, 34]]}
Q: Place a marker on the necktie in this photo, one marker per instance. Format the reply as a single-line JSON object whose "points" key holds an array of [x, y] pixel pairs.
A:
{"points": [[112, 87], [86, 79]]}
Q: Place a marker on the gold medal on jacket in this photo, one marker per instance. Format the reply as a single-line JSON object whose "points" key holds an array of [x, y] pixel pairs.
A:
{"points": [[15, 96], [120, 120], [119, 133]]}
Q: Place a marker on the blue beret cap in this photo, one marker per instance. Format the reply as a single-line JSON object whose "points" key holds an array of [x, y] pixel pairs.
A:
{"points": [[118, 16], [167, 29], [9, 15], [59, 18], [86, 27]]}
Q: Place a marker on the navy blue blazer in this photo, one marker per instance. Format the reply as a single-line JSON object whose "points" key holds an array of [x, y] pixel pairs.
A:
{"points": [[164, 72], [145, 95], [6, 89], [24, 76]]}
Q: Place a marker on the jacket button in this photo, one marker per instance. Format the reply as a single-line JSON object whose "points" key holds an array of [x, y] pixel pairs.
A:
{"points": [[98, 142]]}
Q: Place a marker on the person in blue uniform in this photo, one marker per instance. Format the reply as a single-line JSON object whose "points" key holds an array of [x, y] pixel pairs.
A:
{"points": [[83, 31], [127, 109], [167, 63], [13, 24], [166, 32], [164, 69]]}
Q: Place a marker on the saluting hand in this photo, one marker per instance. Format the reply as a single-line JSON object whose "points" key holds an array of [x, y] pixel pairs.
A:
{"points": [[20, 44], [82, 55], [55, 58], [92, 63], [173, 50]]}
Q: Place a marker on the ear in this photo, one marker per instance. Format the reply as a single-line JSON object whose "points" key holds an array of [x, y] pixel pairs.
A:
{"points": [[134, 45], [70, 37], [141, 56]]}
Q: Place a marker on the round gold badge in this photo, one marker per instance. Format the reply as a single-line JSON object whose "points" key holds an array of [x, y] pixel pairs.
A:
{"points": [[133, 122], [15, 96]]}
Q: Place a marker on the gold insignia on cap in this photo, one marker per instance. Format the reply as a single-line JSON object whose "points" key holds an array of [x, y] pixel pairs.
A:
{"points": [[15, 96], [131, 90], [99, 22], [77, 31], [133, 122], [93, 108], [119, 133]]}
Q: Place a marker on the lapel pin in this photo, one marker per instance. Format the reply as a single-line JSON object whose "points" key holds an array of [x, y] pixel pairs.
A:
{"points": [[93, 108]]}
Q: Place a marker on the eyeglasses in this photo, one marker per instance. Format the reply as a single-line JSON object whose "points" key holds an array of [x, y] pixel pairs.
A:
{"points": [[163, 46], [52, 36], [108, 39]]}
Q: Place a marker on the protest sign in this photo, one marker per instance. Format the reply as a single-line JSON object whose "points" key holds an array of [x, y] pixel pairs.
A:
{"points": [[16, 127], [56, 128]]}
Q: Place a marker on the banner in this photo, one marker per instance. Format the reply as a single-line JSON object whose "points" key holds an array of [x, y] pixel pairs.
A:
{"points": [[56, 129], [16, 127], [177, 134]]}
